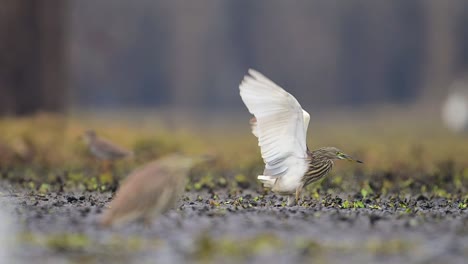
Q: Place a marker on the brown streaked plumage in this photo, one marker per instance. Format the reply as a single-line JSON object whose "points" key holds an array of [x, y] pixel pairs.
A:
{"points": [[319, 165], [149, 191], [103, 149]]}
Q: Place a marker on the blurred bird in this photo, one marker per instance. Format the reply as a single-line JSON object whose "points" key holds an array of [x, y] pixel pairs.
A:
{"points": [[150, 190], [455, 108], [280, 124], [6, 154], [103, 149]]}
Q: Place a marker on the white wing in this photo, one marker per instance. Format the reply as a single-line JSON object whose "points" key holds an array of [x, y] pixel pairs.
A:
{"points": [[253, 123], [281, 125]]}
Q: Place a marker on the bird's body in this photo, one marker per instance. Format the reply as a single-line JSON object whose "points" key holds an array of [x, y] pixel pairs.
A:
{"points": [[103, 149], [319, 166], [149, 190], [280, 124]]}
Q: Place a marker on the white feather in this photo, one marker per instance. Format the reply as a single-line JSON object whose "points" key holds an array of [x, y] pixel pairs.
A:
{"points": [[253, 123], [281, 127], [267, 181]]}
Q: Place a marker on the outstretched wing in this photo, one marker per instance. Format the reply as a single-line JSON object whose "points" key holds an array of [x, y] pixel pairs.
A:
{"points": [[281, 124], [253, 123]]}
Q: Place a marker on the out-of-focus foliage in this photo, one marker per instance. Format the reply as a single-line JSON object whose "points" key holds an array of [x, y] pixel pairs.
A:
{"points": [[195, 53]]}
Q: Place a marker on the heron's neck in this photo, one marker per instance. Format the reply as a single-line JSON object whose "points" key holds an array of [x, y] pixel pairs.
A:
{"points": [[317, 154]]}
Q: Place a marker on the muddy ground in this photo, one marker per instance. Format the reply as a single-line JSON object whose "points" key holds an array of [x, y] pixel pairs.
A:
{"points": [[408, 203], [245, 227]]}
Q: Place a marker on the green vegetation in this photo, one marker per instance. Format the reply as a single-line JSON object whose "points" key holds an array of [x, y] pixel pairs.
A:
{"points": [[412, 176], [428, 161], [209, 249], [76, 242]]}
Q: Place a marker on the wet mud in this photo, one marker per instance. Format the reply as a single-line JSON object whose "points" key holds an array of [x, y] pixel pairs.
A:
{"points": [[247, 226]]}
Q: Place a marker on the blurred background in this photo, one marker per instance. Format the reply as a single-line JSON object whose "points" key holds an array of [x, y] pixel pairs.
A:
{"points": [[59, 55]]}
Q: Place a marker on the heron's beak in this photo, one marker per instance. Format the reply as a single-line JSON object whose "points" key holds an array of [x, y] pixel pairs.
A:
{"points": [[349, 158]]}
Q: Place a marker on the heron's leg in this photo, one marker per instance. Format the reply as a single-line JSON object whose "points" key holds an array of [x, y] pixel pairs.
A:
{"points": [[298, 194], [291, 200], [107, 166], [104, 166]]}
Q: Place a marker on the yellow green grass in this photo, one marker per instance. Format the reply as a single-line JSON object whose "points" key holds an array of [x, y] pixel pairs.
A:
{"points": [[44, 148]]}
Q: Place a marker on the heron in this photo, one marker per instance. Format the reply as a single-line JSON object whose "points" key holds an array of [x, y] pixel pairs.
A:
{"points": [[150, 190], [280, 124]]}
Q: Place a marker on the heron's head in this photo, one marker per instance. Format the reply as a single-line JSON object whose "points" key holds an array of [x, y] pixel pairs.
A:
{"points": [[333, 153]]}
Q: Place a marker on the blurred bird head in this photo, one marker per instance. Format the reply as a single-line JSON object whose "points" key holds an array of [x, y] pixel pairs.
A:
{"points": [[333, 153], [88, 136]]}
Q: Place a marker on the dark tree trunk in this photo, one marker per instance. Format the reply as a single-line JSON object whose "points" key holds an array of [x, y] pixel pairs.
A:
{"points": [[32, 56]]}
